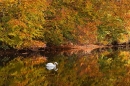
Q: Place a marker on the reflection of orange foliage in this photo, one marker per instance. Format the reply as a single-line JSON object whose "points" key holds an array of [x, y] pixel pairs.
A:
{"points": [[36, 60], [89, 65], [125, 54], [125, 81]]}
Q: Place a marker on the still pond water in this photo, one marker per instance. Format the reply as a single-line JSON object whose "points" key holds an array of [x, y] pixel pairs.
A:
{"points": [[75, 68]]}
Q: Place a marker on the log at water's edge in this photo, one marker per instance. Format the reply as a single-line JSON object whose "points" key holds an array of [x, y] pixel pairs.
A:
{"points": [[59, 48]]}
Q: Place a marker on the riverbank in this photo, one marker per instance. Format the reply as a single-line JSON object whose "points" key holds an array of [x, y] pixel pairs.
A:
{"points": [[86, 48]]}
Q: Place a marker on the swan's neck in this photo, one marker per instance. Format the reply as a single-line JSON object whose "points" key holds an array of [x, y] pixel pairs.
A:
{"points": [[55, 63]]}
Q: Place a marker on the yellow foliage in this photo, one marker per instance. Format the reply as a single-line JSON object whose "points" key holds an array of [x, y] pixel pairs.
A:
{"points": [[7, 1], [124, 38]]}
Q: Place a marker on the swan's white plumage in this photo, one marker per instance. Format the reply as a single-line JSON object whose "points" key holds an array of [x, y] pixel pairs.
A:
{"points": [[51, 66]]}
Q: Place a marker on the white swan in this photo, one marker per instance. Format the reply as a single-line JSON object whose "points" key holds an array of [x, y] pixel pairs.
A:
{"points": [[51, 66]]}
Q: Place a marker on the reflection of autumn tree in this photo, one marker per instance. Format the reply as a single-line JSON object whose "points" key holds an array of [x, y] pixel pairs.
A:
{"points": [[105, 69], [88, 69], [113, 67], [125, 80], [74, 70], [23, 71], [97, 69]]}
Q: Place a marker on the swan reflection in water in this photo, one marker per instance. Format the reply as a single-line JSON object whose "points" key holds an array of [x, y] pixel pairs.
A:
{"points": [[51, 66]]}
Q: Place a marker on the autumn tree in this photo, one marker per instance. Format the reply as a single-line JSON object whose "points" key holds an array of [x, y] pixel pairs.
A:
{"points": [[21, 22], [27, 23], [85, 21]]}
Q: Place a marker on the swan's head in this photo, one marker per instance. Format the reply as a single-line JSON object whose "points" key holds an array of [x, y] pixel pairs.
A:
{"points": [[55, 63]]}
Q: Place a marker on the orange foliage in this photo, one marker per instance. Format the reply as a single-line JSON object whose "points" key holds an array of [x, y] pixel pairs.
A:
{"points": [[34, 44], [16, 22], [87, 34]]}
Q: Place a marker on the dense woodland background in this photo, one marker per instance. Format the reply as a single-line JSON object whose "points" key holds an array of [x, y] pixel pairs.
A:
{"points": [[34, 23]]}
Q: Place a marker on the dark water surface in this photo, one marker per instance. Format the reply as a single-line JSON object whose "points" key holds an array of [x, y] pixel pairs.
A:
{"points": [[75, 68]]}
